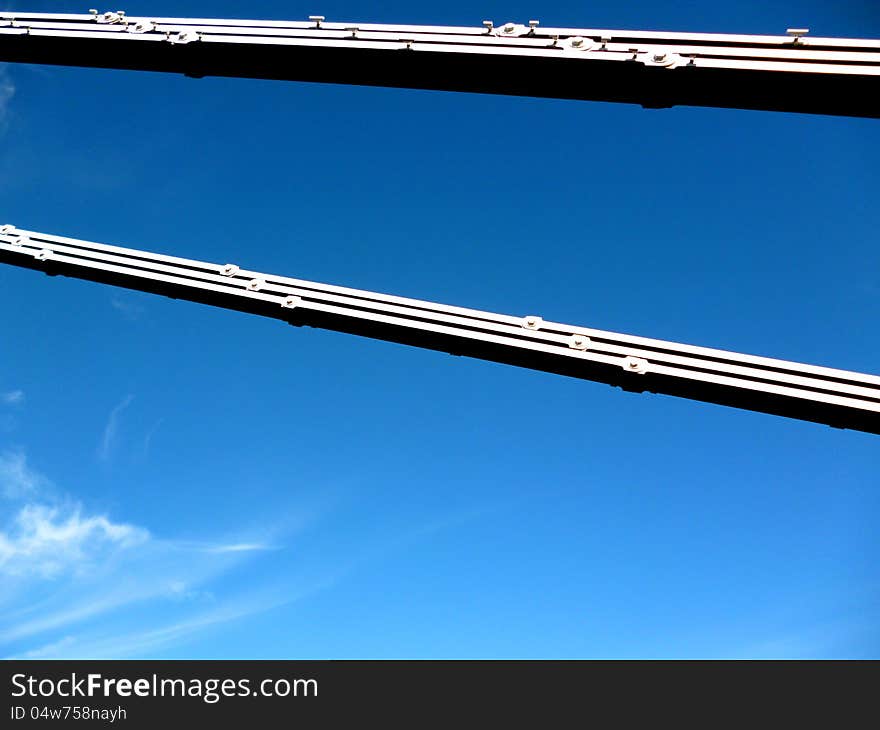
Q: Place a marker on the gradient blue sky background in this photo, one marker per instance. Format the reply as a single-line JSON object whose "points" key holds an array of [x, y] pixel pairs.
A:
{"points": [[181, 481]]}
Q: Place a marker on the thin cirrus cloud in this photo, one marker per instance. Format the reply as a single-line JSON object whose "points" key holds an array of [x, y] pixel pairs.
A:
{"points": [[74, 583], [111, 429], [12, 397], [17, 479], [142, 642], [46, 541], [238, 547], [7, 91], [132, 311]]}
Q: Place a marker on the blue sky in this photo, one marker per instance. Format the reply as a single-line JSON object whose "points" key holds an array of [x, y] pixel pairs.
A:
{"points": [[181, 481]]}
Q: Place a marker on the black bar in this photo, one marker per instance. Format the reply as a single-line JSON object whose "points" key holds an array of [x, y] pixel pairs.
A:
{"points": [[459, 694]]}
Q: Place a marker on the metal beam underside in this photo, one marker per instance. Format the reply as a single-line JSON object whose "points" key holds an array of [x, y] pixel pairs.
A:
{"points": [[793, 73], [838, 398]]}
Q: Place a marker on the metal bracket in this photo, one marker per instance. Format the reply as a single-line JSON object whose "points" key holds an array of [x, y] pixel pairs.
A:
{"points": [[513, 30], [797, 34], [317, 20], [635, 365], [579, 342], [109, 18], [532, 322], [662, 58], [142, 26], [187, 36], [578, 43], [17, 238]]}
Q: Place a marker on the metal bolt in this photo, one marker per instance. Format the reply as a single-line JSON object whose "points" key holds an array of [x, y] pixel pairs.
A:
{"points": [[797, 33], [577, 42], [489, 25], [579, 342], [659, 57], [635, 365], [509, 28]]}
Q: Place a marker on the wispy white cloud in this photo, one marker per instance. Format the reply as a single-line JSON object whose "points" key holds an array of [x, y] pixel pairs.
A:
{"points": [[163, 595], [12, 397], [238, 547], [124, 588], [140, 643], [148, 439], [111, 429], [7, 91], [81, 583], [44, 542], [53, 649], [181, 591], [65, 571], [17, 479], [130, 310]]}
